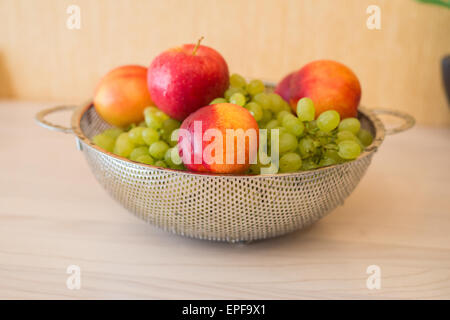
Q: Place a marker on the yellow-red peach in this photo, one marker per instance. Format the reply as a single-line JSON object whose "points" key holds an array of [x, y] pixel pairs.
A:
{"points": [[207, 128], [330, 84], [122, 95]]}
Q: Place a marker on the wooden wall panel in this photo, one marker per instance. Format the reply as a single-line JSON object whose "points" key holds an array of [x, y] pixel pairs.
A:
{"points": [[399, 65]]}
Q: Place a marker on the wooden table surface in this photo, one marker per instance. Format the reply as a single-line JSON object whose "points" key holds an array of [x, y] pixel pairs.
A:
{"points": [[54, 214]]}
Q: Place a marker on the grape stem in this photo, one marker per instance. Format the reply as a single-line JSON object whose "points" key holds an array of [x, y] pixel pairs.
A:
{"points": [[197, 45]]}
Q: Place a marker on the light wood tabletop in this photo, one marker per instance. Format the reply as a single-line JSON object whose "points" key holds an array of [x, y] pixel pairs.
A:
{"points": [[54, 214]]}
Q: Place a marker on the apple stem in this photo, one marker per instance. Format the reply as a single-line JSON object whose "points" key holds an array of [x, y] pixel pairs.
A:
{"points": [[197, 45]]}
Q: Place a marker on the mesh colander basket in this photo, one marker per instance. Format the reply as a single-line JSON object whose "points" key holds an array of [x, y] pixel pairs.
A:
{"points": [[218, 206]]}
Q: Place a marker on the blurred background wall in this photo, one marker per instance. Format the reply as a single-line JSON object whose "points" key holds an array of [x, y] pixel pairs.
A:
{"points": [[398, 65]]}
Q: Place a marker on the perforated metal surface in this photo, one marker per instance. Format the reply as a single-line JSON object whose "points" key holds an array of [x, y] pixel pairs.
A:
{"points": [[223, 207]]}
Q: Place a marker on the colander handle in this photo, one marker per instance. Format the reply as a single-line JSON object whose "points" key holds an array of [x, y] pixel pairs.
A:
{"points": [[408, 121], [40, 119]]}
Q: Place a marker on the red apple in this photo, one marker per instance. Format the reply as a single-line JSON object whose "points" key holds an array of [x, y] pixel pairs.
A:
{"points": [[330, 84], [184, 79]]}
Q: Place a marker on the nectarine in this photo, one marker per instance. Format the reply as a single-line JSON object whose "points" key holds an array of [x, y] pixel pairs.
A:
{"points": [[122, 95], [330, 84], [220, 138]]}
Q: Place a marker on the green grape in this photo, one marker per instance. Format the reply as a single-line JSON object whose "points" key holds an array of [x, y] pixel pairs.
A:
{"points": [[124, 146], [330, 146], [290, 162], [174, 138], [267, 115], [281, 129], [142, 124], [263, 145], [262, 99], [137, 152], [153, 121], [150, 116], [178, 167], [237, 81], [281, 115], [158, 149], [330, 157], [145, 158], [316, 142], [255, 87], [324, 134], [269, 169], [305, 109], [151, 109], [286, 117], [328, 120], [309, 164], [345, 135], [287, 142], [255, 168], [365, 137], [311, 127], [307, 147], [131, 126], [160, 163], [349, 149], [113, 132], [324, 138], [150, 135], [170, 124], [286, 107], [168, 127], [333, 155], [173, 159], [168, 157], [276, 102], [350, 124], [233, 90], [218, 100], [161, 115], [238, 98], [255, 109], [135, 135], [293, 125], [322, 141], [272, 124], [104, 141], [324, 162]]}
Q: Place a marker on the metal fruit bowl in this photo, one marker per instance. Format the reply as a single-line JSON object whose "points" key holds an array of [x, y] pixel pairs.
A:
{"points": [[217, 206]]}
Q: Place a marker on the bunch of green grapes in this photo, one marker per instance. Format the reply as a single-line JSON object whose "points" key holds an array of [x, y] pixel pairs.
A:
{"points": [[153, 141], [304, 142]]}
